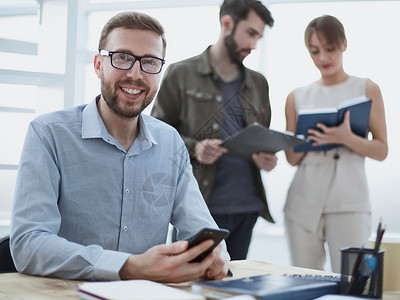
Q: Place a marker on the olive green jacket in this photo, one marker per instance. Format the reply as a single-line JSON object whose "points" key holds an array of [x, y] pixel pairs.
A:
{"points": [[190, 99]]}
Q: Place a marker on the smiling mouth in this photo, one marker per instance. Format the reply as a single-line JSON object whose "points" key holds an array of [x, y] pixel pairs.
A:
{"points": [[131, 91]]}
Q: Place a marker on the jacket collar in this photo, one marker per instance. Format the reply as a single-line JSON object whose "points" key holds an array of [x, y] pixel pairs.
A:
{"points": [[204, 67]]}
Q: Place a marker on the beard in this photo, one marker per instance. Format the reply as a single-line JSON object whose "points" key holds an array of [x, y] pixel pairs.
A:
{"points": [[120, 107], [232, 49]]}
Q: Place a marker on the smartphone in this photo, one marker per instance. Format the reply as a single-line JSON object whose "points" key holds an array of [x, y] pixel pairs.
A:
{"points": [[217, 235]]}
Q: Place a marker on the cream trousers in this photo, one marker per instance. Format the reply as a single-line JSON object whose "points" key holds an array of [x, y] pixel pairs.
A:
{"points": [[338, 230]]}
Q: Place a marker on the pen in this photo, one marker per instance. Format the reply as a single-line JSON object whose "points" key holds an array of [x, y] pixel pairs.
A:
{"points": [[364, 268], [357, 263], [379, 240], [359, 284], [378, 234]]}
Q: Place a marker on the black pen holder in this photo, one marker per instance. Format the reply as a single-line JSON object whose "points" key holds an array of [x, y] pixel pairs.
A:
{"points": [[362, 272]]}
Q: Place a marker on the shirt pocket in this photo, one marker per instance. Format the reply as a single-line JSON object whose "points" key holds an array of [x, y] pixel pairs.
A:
{"points": [[202, 115]]}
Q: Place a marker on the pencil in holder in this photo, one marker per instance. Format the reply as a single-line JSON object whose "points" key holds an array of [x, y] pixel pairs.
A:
{"points": [[362, 272]]}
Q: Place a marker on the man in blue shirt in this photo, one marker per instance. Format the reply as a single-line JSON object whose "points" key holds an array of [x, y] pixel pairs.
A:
{"points": [[98, 184]]}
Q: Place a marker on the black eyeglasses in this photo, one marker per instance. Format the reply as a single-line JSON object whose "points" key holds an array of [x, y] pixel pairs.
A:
{"points": [[125, 61]]}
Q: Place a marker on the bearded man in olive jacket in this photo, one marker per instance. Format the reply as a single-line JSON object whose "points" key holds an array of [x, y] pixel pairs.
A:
{"points": [[210, 97]]}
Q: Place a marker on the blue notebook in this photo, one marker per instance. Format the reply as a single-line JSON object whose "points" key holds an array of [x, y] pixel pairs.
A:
{"points": [[308, 118], [267, 287]]}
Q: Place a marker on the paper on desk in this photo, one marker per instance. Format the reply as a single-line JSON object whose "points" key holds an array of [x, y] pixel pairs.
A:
{"points": [[133, 290]]}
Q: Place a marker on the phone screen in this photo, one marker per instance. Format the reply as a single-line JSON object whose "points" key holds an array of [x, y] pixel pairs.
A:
{"points": [[217, 235]]}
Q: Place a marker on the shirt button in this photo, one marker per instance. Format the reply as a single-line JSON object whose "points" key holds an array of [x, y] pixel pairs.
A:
{"points": [[215, 126], [125, 228], [205, 182], [127, 192], [218, 98]]}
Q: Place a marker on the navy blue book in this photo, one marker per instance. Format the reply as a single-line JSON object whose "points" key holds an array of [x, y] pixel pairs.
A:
{"points": [[308, 118], [267, 287]]}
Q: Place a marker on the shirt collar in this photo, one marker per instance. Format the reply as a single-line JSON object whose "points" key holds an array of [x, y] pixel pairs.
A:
{"points": [[144, 131], [91, 121], [93, 126]]}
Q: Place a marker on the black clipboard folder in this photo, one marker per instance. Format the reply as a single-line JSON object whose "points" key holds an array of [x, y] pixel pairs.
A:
{"points": [[256, 138]]}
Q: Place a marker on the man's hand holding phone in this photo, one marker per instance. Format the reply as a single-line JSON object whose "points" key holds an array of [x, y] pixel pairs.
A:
{"points": [[217, 235], [218, 269], [170, 263]]}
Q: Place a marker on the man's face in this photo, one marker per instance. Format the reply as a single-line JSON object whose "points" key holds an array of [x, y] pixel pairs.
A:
{"points": [[244, 37], [128, 92]]}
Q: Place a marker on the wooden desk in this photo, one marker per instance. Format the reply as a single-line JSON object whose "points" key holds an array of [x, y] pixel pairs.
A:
{"points": [[17, 286]]}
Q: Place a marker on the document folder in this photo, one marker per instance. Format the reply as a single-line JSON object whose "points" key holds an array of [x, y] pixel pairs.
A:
{"points": [[258, 138]]}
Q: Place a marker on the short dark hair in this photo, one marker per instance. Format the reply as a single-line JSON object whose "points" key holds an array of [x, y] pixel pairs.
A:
{"points": [[132, 20], [327, 26], [239, 9]]}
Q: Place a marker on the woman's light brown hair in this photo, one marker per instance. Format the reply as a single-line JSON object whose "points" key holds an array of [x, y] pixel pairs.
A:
{"points": [[326, 27]]}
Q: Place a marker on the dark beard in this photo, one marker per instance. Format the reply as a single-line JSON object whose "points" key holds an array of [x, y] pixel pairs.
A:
{"points": [[232, 49], [111, 98]]}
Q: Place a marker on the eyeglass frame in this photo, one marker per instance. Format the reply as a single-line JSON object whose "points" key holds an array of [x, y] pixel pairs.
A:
{"points": [[137, 58]]}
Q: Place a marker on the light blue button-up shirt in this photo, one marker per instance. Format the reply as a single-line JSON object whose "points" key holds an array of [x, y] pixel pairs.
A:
{"points": [[83, 204]]}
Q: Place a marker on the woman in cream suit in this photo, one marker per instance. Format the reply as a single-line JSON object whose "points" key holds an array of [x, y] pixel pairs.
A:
{"points": [[328, 199]]}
